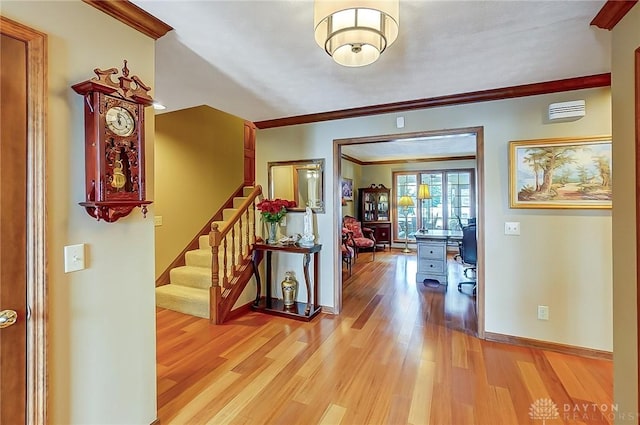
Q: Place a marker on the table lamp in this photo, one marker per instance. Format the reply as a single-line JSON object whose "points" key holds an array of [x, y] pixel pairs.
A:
{"points": [[424, 193], [406, 202]]}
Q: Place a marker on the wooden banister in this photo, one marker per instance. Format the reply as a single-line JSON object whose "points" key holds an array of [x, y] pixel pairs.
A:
{"points": [[257, 191], [231, 249]]}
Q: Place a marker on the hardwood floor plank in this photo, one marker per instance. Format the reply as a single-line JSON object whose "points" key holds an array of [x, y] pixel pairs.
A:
{"points": [[420, 409], [366, 314], [397, 354], [202, 399], [239, 402], [333, 415], [505, 412]]}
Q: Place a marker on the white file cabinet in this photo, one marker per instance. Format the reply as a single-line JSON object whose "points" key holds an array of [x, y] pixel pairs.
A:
{"points": [[432, 254]]}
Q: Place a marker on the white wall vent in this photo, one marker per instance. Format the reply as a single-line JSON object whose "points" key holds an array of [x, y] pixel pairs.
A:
{"points": [[573, 109]]}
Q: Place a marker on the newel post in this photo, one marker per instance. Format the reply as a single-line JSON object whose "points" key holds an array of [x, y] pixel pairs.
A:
{"points": [[215, 294]]}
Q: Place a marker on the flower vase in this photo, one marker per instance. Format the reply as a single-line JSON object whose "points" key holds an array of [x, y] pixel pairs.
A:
{"points": [[272, 228]]}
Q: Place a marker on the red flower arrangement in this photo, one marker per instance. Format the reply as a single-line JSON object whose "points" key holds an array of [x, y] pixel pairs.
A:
{"points": [[273, 210]]}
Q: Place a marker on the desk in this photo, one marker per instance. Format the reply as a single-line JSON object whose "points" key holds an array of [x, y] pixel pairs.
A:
{"points": [[299, 311], [432, 254]]}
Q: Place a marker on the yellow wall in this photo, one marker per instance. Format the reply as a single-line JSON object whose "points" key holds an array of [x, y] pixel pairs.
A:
{"points": [[102, 319], [626, 38], [199, 164], [562, 257], [351, 171]]}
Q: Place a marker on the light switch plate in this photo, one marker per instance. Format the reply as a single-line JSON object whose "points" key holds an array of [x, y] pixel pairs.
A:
{"points": [[157, 220], [543, 312], [73, 258]]}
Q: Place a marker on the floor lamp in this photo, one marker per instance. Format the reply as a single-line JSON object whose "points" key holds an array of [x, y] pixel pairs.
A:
{"points": [[406, 202], [424, 193]]}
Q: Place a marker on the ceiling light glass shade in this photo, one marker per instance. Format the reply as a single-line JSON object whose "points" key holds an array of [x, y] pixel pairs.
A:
{"points": [[405, 201], [423, 192], [355, 33]]}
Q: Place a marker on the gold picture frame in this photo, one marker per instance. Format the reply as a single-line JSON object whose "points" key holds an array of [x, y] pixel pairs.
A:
{"points": [[560, 173]]}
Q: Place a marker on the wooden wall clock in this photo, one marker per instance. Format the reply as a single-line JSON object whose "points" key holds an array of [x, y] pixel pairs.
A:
{"points": [[114, 143]]}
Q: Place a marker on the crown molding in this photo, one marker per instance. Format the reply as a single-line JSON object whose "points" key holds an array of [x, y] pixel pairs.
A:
{"points": [[133, 16], [569, 84], [352, 159], [611, 13]]}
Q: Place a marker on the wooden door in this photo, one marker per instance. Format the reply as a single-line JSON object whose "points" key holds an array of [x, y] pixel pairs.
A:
{"points": [[249, 153], [23, 89], [13, 229]]}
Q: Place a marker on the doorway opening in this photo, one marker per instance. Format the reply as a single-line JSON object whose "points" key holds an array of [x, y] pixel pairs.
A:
{"points": [[411, 140]]}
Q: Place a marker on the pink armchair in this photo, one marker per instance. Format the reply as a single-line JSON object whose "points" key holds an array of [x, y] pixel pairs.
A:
{"points": [[359, 237]]}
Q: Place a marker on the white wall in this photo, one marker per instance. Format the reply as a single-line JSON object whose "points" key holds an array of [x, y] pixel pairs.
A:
{"points": [[102, 319], [562, 258], [625, 39]]}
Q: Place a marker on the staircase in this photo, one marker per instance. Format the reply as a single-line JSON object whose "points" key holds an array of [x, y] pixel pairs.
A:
{"points": [[193, 285]]}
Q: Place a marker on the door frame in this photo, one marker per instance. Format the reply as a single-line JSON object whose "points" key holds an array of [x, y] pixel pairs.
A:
{"points": [[637, 147], [337, 172], [36, 45]]}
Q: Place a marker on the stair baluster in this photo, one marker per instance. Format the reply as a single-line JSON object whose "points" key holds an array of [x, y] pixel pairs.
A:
{"points": [[240, 245], [225, 272], [215, 295]]}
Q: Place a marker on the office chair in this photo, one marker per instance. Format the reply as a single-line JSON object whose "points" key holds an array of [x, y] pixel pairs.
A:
{"points": [[469, 255]]}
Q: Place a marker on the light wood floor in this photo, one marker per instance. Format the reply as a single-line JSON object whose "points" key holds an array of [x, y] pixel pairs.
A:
{"points": [[389, 358]]}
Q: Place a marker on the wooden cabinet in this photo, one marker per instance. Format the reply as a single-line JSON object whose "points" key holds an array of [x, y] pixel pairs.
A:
{"points": [[374, 212], [381, 231]]}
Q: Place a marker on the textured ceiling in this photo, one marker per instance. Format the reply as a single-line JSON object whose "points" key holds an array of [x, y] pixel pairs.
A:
{"points": [[258, 59], [413, 149]]}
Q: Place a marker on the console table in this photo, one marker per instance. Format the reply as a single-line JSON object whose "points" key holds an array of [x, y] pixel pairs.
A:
{"points": [[268, 304], [432, 254]]}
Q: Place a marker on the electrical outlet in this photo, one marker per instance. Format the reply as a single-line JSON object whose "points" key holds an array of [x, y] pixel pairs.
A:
{"points": [[157, 220], [543, 312], [512, 228]]}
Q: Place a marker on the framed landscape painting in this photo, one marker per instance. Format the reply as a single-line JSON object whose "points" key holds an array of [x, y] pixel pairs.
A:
{"points": [[560, 173]]}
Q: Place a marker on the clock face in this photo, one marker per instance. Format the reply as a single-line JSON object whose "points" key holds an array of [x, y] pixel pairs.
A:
{"points": [[120, 121]]}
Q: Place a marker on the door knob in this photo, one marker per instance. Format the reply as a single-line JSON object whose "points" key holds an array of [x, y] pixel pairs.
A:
{"points": [[7, 318]]}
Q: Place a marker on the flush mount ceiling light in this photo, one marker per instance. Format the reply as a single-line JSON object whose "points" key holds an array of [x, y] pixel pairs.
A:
{"points": [[355, 33]]}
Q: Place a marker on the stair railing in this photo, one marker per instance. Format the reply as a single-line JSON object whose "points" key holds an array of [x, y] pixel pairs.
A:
{"points": [[232, 248]]}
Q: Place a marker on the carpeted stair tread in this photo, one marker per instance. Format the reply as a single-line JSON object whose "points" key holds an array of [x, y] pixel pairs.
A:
{"points": [[199, 258], [238, 201], [195, 277], [246, 191], [183, 299], [227, 213]]}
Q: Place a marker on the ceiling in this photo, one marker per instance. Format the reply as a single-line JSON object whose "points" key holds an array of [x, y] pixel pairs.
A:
{"points": [[258, 60], [420, 148]]}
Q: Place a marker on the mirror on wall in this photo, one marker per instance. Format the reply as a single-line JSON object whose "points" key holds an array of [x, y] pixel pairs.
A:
{"points": [[301, 181]]}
